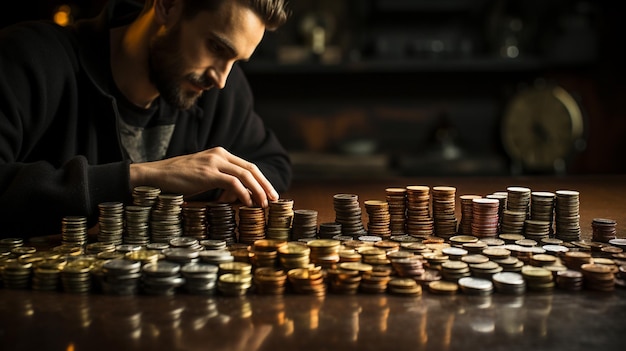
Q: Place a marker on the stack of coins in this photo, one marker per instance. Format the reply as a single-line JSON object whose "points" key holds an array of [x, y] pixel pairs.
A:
{"points": [[166, 221], [199, 278], [137, 224], [374, 282], [485, 218], [373, 255], [181, 255], [348, 213], [569, 279], [603, 229], [518, 199], [510, 264], [294, 255], [47, 274], [145, 196], [251, 224], [467, 207], [143, 256], [598, 277], [269, 281], [485, 270], [120, 277], [452, 271], [396, 198], [379, 218], [501, 196], [444, 216], [509, 283], [160, 278], [221, 222], [538, 279], [329, 230], [542, 207], [304, 225], [567, 215], [7, 244], [74, 230], [265, 252], [211, 244], [407, 267], [542, 260], [76, 277], [419, 221], [536, 229], [476, 286], [111, 222], [16, 274], [279, 219], [309, 281], [343, 281], [404, 287], [195, 220], [186, 242], [513, 222], [324, 252], [575, 259], [215, 257], [510, 238], [231, 284]]}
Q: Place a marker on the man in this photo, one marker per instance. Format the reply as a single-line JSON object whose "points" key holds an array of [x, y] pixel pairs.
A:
{"points": [[137, 96]]}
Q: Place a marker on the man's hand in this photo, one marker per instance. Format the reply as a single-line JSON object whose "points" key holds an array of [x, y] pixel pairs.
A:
{"points": [[205, 170]]}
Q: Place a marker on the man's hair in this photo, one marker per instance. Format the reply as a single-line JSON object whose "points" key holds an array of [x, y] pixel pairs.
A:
{"points": [[273, 13]]}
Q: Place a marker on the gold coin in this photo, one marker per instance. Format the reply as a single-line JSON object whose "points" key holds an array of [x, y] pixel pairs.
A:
{"points": [[443, 287], [356, 266]]}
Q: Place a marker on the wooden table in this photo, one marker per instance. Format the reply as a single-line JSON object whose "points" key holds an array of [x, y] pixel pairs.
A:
{"points": [[558, 321]]}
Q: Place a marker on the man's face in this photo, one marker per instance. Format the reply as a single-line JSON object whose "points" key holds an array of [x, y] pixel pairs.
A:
{"points": [[196, 55]]}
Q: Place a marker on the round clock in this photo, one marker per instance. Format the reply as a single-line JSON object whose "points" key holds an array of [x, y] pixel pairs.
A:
{"points": [[541, 128]]}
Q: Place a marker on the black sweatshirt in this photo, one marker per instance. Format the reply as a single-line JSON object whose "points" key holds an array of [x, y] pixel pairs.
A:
{"points": [[60, 153]]}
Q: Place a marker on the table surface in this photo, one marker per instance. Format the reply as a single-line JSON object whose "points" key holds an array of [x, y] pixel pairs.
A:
{"points": [[557, 321]]}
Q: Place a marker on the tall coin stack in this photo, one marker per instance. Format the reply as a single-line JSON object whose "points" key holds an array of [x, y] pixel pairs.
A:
{"points": [[517, 210], [379, 218], [444, 217], [166, 218], [348, 214], [221, 222], [542, 208], [501, 196], [304, 225], [467, 207], [74, 230], [195, 221], [396, 198], [251, 224], [567, 215], [111, 222], [419, 222], [137, 224], [279, 218], [485, 218]]}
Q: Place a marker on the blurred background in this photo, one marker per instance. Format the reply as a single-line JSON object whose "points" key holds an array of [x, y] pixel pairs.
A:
{"points": [[373, 88]]}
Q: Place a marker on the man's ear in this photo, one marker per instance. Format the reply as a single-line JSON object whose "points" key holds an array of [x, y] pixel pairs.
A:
{"points": [[167, 11]]}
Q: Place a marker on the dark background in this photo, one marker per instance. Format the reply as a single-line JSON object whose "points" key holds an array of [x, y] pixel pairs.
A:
{"points": [[419, 87]]}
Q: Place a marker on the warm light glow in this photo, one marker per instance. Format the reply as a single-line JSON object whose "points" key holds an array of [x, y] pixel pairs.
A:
{"points": [[63, 15], [70, 347]]}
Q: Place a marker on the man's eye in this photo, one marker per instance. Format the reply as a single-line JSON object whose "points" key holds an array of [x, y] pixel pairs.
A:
{"points": [[215, 47]]}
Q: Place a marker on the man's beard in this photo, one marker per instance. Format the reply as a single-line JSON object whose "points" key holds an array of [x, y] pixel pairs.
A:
{"points": [[166, 67]]}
